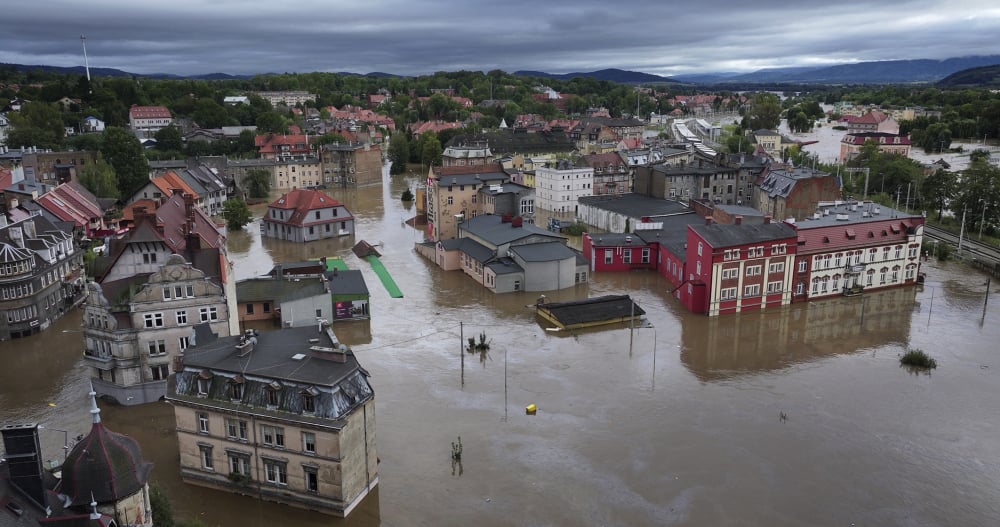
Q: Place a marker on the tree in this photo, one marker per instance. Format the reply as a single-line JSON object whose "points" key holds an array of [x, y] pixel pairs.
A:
{"points": [[210, 114], [399, 153], [765, 112], [124, 153], [163, 514], [37, 124], [99, 178], [169, 138], [430, 152], [939, 188], [257, 183], [271, 122], [328, 138], [237, 214], [936, 137]]}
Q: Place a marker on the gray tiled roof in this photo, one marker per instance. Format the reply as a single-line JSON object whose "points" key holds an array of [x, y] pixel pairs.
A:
{"points": [[634, 205], [276, 290], [543, 252], [719, 235], [491, 228], [475, 250], [504, 266], [347, 282], [342, 385]]}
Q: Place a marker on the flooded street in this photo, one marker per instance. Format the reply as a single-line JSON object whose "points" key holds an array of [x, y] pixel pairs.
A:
{"points": [[677, 424]]}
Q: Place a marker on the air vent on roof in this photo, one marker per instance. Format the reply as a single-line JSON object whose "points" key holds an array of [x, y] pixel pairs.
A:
{"points": [[298, 356]]}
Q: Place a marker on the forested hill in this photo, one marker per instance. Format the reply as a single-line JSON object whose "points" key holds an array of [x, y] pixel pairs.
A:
{"points": [[979, 77]]}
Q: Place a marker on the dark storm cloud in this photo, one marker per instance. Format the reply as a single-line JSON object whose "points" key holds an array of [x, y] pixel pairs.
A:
{"points": [[191, 37]]}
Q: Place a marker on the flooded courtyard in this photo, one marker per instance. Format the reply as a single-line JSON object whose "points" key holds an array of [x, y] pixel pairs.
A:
{"points": [[674, 424]]}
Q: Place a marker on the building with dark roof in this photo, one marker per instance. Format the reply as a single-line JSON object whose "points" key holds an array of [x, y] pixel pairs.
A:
{"points": [[304, 215], [103, 481], [794, 192], [286, 416], [351, 164], [292, 302], [504, 254], [41, 274]]}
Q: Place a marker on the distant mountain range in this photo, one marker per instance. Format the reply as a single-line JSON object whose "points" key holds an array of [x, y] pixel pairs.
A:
{"points": [[876, 72]]}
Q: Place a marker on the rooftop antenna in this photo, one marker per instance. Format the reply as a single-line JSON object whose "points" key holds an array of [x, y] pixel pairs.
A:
{"points": [[86, 62]]}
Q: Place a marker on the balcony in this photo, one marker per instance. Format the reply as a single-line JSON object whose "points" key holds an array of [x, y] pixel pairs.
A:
{"points": [[854, 269], [101, 361]]}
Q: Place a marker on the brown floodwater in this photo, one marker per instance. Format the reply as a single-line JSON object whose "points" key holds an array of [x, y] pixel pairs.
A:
{"points": [[674, 424]]}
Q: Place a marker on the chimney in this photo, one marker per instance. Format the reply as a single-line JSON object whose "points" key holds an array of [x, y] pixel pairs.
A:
{"points": [[767, 219], [516, 222], [738, 220], [247, 343], [708, 220], [23, 455]]}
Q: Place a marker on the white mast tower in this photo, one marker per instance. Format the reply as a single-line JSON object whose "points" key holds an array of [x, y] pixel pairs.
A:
{"points": [[86, 63]]}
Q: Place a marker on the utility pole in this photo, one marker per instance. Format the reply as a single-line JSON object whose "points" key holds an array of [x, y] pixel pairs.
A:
{"points": [[461, 347], [982, 220]]}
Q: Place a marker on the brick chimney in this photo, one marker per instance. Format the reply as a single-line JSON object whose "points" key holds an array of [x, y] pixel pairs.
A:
{"points": [[767, 219], [708, 220], [738, 220]]}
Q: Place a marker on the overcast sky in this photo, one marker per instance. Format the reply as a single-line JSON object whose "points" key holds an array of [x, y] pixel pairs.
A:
{"points": [[188, 37]]}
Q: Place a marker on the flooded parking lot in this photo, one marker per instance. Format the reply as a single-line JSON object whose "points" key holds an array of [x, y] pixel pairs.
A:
{"points": [[674, 424]]}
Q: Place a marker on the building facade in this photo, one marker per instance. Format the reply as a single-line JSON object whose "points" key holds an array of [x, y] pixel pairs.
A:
{"points": [[41, 275], [306, 215], [285, 416], [135, 327], [149, 118], [559, 187]]}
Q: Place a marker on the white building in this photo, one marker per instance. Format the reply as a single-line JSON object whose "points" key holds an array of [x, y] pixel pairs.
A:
{"points": [[558, 188]]}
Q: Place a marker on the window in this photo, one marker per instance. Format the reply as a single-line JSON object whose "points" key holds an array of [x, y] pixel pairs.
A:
{"points": [[802, 266], [206, 457], [157, 347], [267, 307], [203, 423], [239, 464], [182, 317], [209, 313], [183, 343], [249, 308], [754, 270], [517, 285], [699, 248], [273, 435], [166, 293], [608, 256], [800, 288], [645, 255], [308, 403], [312, 478], [236, 389], [751, 290], [627, 256], [728, 293], [451, 201], [317, 214], [899, 251], [271, 395], [236, 429], [153, 320], [778, 267], [159, 372], [203, 386], [773, 287], [275, 472], [309, 442], [190, 291], [149, 258]]}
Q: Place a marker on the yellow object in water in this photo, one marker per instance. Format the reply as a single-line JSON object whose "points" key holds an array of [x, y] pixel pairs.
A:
{"points": [[530, 409]]}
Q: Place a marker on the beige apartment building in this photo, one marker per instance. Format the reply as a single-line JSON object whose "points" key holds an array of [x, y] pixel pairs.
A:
{"points": [[285, 416]]}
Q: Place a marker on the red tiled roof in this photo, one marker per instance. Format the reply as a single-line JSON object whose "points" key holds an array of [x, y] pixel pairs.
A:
{"points": [[170, 181], [304, 201], [71, 202], [149, 112]]}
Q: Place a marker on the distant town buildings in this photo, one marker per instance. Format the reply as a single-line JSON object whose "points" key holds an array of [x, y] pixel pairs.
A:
{"points": [[149, 118]]}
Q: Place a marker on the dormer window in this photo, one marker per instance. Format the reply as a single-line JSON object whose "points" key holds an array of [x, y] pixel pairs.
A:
{"points": [[204, 383], [236, 385], [309, 400], [271, 394]]}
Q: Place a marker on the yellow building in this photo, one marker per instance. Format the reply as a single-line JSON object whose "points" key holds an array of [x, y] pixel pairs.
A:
{"points": [[286, 416]]}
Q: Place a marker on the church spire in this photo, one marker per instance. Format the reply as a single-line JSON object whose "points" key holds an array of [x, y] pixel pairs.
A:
{"points": [[94, 410]]}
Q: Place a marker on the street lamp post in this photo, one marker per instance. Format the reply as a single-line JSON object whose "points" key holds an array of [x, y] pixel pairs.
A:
{"points": [[982, 220]]}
